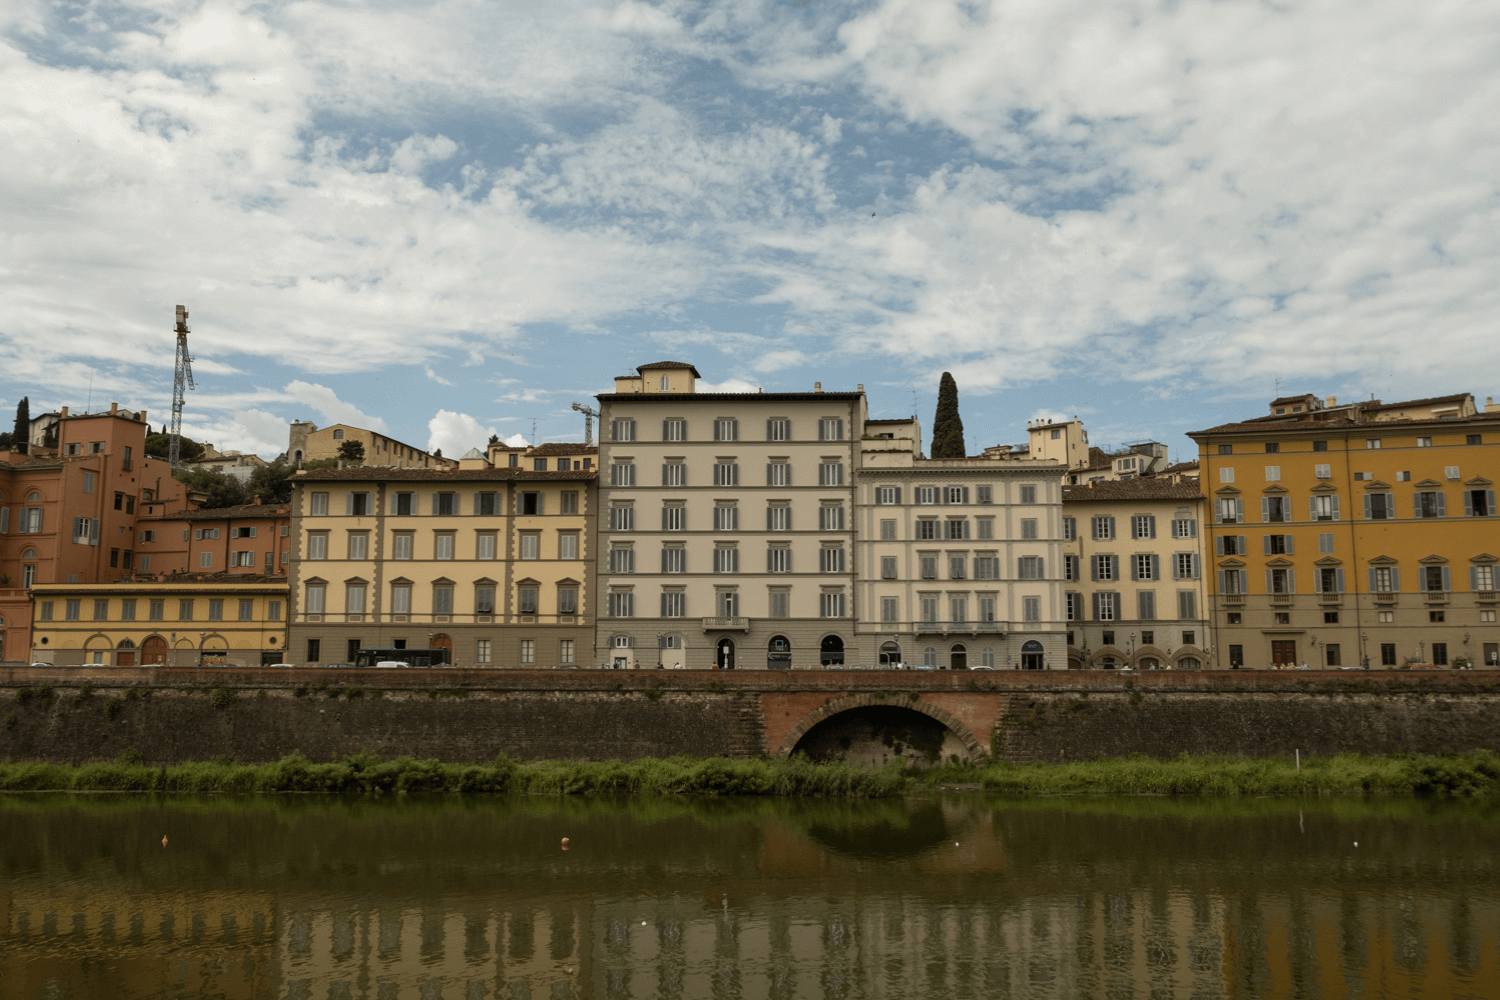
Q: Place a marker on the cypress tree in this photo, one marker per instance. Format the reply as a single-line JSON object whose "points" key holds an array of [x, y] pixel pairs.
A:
{"points": [[20, 441], [947, 425]]}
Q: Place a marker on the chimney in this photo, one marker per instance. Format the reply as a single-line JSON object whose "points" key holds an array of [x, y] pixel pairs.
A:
{"points": [[1332, 401], [860, 387], [114, 408], [817, 387], [63, 413], [256, 501], [141, 416]]}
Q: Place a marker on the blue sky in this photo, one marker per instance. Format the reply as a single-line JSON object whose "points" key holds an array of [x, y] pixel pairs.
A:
{"points": [[457, 217]]}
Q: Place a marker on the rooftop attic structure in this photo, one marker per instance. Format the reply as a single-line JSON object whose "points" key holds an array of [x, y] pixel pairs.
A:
{"points": [[660, 376]]}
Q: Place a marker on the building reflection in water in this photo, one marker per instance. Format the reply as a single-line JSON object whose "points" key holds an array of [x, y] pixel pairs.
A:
{"points": [[955, 897]]}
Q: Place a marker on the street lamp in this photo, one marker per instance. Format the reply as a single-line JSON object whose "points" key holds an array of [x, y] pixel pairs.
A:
{"points": [[1364, 655], [202, 636]]}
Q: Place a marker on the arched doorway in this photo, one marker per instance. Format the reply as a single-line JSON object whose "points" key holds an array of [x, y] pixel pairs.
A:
{"points": [[724, 654], [779, 653], [154, 651], [444, 642], [958, 657], [890, 654], [862, 728], [831, 652], [214, 652], [1149, 663], [1031, 655], [1189, 663], [125, 653]]}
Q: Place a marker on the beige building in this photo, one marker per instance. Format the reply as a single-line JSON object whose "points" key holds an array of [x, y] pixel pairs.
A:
{"points": [[494, 565], [725, 523], [959, 561], [1133, 572], [183, 621], [307, 443]]}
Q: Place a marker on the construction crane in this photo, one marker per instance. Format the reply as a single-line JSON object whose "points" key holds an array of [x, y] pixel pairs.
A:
{"points": [[589, 413], [182, 381]]}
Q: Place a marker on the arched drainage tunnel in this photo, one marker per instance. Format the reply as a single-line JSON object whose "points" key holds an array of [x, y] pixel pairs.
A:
{"points": [[876, 734]]}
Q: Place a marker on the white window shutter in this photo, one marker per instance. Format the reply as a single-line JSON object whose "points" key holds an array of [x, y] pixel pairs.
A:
{"points": [[1291, 581], [1396, 579], [1239, 510], [1265, 545], [1447, 580], [1442, 504], [1268, 581], [1338, 579], [1197, 567], [1317, 582], [1155, 564], [1265, 508], [1291, 545]]}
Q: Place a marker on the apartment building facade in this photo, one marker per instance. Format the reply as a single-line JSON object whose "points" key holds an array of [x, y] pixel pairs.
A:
{"points": [[1133, 575], [958, 562], [725, 524], [189, 620], [306, 442], [494, 565], [1362, 534], [251, 539]]}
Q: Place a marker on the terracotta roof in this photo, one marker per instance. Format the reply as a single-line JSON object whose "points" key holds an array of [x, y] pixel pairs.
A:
{"points": [[563, 448], [1131, 489], [1179, 467], [1456, 398], [893, 420], [720, 397], [669, 364], [376, 474], [237, 513], [1287, 400]]}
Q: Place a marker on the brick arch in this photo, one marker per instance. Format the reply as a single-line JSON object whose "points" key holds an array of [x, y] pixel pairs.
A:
{"points": [[978, 751]]}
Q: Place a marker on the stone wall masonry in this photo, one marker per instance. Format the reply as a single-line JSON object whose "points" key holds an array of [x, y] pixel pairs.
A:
{"points": [[169, 715]]}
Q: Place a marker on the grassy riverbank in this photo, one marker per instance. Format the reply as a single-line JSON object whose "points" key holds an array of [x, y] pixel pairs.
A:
{"points": [[1475, 773]]}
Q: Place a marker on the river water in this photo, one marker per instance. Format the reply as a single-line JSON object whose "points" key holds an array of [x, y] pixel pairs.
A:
{"points": [[950, 896]]}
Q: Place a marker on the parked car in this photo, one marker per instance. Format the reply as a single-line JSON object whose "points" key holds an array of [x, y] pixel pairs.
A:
{"points": [[391, 664], [282, 665]]}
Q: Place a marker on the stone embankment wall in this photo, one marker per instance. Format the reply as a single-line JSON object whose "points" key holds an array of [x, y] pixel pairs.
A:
{"points": [[171, 715]]}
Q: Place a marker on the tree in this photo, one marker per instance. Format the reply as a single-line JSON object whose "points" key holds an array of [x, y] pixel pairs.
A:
{"points": [[20, 438], [159, 446], [947, 425], [272, 483], [352, 451], [494, 439], [222, 490]]}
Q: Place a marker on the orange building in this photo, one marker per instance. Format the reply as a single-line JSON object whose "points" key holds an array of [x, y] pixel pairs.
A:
{"points": [[249, 540], [1357, 535], [68, 514]]}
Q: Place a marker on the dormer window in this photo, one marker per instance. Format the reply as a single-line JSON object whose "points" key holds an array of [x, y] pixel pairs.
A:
{"points": [[666, 383]]}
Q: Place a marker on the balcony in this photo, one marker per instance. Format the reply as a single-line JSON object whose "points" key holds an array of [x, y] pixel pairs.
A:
{"points": [[1486, 596], [726, 624], [1330, 597], [1435, 596], [960, 627], [1235, 599], [1384, 597], [1280, 600]]}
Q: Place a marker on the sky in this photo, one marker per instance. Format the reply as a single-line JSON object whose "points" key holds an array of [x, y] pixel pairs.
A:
{"points": [[455, 218]]}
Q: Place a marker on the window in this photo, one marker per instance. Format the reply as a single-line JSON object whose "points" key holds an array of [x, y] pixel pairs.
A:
{"points": [[482, 650], [1372, 443], [674, 559], [1473, 439], [1440, 654], [567, 600], [673, 517], [779, 473], [85, 531], [779, 560], [986, 567], [1384, 580], [401, 598], [1104, 567], [1070, 568], [1070, 528], [1184, 528], [1283, 617], [157, 609], [984, 494], [1104, 607], [888, 531], [1234, 618], [831, 559], [1380, 506], [442, 599], [1435, 578], [1450, 472], [1226, 474], [445, 504], [726, 429], [485, 545], [622, 474], [1028, 527], [1277, 545], [890, 610], [726, 473], [1323, 507], [1280, 581], [729, 604], [206, 560], [1104, 528], [1029, 568], [1276, 509], [1429, 504], [885, 495], [526, 600], [1424, 442], [1388, 654], [726, 559], [958, 610], [674, 474], [442, 545], [621, 560], [358, 504], [1028, 494], [405, 504], [778, 517], [674, 429], [1145, 607], [830, 474], [359, 543], [673, 604], [185, 610], [622, 430], [1187, 605], [831, 605], [1482, 578], [621, 518], [88, 482], [1143, 526], [1403, 477], [564, 651], [830, 429], [1226, 449], [928, 567], [888, 567], [484, 600], [778, 429], [1143, 567], [401, 545], [779, 604], [957, 528], [726, 518], [1185, 566], [926, 494], [955, 494], [929, 610], [957, 566], [247, 610], [1273, 473], [927, 527]]}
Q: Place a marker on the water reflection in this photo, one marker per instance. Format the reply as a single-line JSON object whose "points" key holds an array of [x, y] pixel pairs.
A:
{"points": [[948, 896]]}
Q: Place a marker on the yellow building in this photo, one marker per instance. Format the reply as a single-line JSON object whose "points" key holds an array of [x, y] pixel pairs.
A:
{"points": [[1361, 534], [494, 565], [1133, 568], [307, 443], [219, 620]]}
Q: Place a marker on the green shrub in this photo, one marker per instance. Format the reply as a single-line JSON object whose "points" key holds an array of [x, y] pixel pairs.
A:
{"points": [[130, 756], [351, 692], [717, 687], [221, 697], [10, 721], [85, 692], [300, 691], [41, 693], [112, 707], [654, 691]]}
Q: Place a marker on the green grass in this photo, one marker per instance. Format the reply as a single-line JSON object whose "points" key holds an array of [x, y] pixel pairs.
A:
{"points": [[1470, 774]]}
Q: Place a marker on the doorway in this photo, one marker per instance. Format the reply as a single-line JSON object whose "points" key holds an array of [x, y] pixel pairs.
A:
{"points": [[831, 652], [1031, 655], [779, 653], [125, 654], [445, 643], [1284, 652], [890, 654], [724, 654], [958, 657], [154, 651]]}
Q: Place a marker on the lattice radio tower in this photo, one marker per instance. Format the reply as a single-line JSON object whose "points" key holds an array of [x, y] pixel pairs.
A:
{"points": [[182, 381]]}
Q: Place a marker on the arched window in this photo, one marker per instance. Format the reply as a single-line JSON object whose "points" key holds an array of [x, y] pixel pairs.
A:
{"points": [[929, 656], [338, 435], [622, 641], [958, 657], [29, 554], [1189, 663], [987, 657], [890, 654], [666, 383], [1031, 655], [671, 642], [33, 497], [831, 652]]}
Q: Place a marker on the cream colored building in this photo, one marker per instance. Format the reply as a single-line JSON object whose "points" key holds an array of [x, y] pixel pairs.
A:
{"points": [[217, 620], [959, 561], [495, 565], [725, 523], [308, 443], [1133, 572]]}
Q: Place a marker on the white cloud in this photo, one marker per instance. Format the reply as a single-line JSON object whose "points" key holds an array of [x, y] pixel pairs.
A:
{"points": [[728, 385], [330, 407], [251, 431], [456, 433], [775, 361], [437, 378]]}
